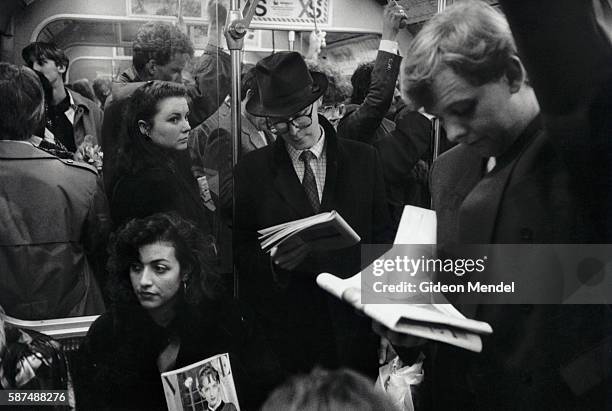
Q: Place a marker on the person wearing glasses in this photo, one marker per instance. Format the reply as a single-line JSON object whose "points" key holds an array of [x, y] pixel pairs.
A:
{"points": [[307, 170]]}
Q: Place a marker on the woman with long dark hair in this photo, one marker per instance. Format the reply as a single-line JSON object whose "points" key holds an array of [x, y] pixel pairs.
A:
{"points": [[165, 315], [153, 168]]}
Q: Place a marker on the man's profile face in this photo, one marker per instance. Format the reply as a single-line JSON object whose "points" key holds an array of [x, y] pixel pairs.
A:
{"points": [[211, 390], [172, 71], [49, 69], [480, 117], [302, 138]]}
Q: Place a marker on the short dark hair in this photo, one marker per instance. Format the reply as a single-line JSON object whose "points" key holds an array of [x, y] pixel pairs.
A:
{"points": [[208, 370], [159, 41], [361, 78], [84, 88], [40, 50], [98, 85], [190, 247], [328, 391], [21, 102], [248, 81]]}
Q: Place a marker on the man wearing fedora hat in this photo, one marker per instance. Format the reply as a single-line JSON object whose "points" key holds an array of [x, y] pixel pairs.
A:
{"points": [[306, 171]]}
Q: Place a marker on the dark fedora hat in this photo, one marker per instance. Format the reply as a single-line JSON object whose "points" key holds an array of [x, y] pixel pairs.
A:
{"points": [[284, 86]]}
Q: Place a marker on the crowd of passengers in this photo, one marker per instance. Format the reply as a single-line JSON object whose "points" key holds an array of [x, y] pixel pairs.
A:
{"points": [[122, 200]]}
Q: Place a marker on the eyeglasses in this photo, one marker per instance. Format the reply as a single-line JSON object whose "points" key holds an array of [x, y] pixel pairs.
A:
{"points": [[282, 126]]}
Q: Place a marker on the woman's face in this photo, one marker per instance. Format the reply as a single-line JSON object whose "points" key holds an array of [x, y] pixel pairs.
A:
{"points": [[156, 276], [170, 127]]}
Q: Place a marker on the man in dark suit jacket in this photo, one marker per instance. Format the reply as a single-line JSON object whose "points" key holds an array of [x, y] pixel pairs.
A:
{"points": [[513, 181], [278, 184]]}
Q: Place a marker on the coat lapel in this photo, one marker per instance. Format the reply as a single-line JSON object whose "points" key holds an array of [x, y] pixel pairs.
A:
{"points": [[331, 170], [478, 212]]}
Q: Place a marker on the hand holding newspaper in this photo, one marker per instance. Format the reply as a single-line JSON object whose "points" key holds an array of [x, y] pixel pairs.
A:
{"points": [[438, 322]]}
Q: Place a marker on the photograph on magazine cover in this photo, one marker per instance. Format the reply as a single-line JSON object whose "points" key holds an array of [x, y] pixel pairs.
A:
{"points": [[205, 385]]}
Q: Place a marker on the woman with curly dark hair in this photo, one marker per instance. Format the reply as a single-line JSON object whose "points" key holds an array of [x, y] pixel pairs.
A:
{"points": [[153, 167], [164, 315]]}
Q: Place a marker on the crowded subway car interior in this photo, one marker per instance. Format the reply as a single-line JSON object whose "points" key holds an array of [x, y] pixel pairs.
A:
{"points": [[305, 204]]}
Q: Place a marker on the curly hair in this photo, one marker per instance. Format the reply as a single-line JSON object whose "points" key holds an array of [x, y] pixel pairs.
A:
{"points": [[136, 151], [191, 250], [159, 41], [471, 38], [338, 89]]}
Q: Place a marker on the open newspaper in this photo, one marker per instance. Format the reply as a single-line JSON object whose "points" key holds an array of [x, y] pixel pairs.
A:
{"points": [[437, 322], [204, 385], [324, 231]]}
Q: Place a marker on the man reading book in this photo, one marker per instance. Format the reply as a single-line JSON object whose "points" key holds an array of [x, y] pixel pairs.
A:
{"points": [[306, 171]]}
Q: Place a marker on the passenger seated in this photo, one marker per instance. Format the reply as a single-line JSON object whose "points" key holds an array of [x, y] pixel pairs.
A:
{"points": [[164, 315]]}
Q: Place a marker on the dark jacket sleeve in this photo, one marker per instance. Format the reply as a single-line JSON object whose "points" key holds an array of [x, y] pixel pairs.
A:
{"points": [[403, 147], [362, 123], [213, 84], [90, 365], [568, 59], [383, 231], [96, 231]]}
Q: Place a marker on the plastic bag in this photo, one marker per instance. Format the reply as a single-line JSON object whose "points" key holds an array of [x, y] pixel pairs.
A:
{"points": [[395, 380]]}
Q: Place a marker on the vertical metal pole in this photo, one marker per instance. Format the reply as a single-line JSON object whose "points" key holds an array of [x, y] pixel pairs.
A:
{"points": [[236, 132], [436, 121], [291, 37]]}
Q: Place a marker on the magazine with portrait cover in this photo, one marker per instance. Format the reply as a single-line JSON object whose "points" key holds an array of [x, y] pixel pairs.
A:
{"points": [[207, 384]]}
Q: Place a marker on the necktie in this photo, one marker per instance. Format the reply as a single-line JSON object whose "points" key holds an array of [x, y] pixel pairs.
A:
{"points": [[309, 183]]}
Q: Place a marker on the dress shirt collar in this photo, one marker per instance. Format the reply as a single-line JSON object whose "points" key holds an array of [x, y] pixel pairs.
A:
{"points": [[317, 149]]}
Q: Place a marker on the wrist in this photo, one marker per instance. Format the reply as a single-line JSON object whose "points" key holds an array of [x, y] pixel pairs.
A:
{"points": [[390, 35]]}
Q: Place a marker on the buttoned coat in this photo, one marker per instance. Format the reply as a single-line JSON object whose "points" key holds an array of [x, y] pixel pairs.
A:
{"points": [[294, 310]]}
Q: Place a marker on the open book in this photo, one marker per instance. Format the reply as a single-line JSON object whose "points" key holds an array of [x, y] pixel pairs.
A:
{"points": [[438, 322], [325, 231], [197, 386]]}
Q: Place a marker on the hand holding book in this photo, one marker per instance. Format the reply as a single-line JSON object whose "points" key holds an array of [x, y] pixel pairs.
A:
{"points": [[324, 231], [290, 253]]}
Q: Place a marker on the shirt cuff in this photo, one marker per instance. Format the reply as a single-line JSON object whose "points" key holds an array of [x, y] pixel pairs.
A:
{"points": [[389, 46]]}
